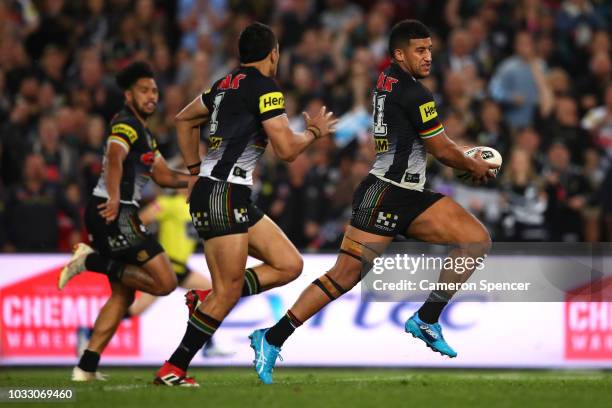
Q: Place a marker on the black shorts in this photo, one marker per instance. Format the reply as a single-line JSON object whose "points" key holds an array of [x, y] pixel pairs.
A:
{"points": [[383, 208], [220, 208], [126, 239], [181, 270]]}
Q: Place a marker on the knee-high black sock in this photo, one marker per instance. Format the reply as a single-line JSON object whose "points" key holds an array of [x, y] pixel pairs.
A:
{"points": [[110, 267], [89, 361], [200, 329], [251, 283], [284, 328], [432, 308]]}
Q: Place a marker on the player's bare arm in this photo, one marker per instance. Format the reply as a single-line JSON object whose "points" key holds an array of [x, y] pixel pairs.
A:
{"points": [[450, 154], [192, 116], [288, 144], [115, 156], [164, 176]]}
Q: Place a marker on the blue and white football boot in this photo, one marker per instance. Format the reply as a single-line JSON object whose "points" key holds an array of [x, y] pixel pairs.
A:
{"points": [[265, 355], [431, 334]]}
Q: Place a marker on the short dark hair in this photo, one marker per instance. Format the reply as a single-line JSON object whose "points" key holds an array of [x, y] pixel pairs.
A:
{"points": [[406, 30], [129, 75], [255, 42]]}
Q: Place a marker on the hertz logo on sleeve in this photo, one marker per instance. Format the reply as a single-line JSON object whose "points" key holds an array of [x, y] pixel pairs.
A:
{"points": [[428, 111], [270, 101], [127, 130]]}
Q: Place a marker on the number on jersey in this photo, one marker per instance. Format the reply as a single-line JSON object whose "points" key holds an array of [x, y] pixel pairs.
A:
{"points": [[213, 118]]}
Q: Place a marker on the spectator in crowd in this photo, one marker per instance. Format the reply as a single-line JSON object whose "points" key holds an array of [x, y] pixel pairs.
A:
{"points": [[91, 152], [60, 160], [341, 15], [295, 20], [568, 193], [591, 88], [524, 200], [459, 54], [514, 83], [32, 207], [564, 125], [598, 122], [16, 138], [576, 22], [491, 129]]}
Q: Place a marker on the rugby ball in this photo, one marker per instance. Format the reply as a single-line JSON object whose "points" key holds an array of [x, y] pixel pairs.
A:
{"points": [[487, 153]]}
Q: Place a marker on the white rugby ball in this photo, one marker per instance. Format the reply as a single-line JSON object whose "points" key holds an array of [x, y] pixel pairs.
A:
{"points": [[487, 153]]}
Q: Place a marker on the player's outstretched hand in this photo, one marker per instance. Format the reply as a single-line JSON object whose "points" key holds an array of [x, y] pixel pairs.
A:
{"points": [[481, 173], [323, 124], [109, 210]]}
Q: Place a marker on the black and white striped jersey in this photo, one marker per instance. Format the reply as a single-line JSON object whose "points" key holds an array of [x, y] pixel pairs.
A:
{"points": [[404, 114], [238, 104], [141, 147]]}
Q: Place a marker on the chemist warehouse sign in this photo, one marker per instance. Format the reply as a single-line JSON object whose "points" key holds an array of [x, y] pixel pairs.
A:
{"points": [[39, 320]]}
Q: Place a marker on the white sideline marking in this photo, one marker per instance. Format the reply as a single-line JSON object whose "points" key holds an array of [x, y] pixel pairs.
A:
{"points": [[125, 387]]}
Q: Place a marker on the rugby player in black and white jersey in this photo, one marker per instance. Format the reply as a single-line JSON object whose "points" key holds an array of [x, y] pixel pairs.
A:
{"points": [[121, 248], [244, 109], [392, 200]]}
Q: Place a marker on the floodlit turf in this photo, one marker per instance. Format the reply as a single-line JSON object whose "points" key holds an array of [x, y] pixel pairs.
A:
{"points": [[322, 388]]}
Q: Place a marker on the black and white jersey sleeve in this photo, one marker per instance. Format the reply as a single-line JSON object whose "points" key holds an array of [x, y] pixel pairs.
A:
{"points": [[141, 148], [238, 104], [421, 108]]}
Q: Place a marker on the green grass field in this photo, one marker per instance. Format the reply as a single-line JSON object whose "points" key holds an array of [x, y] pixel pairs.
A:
{"points": [[322, 388]]}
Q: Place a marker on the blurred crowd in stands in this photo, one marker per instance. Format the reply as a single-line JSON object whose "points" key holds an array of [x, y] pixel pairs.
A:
{"points": [[531, 78]]}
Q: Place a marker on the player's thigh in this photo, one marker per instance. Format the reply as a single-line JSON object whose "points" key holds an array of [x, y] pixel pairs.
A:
{"points": [[220, 215], [226, 258], [268, 243], [160, 268], [358, 248], [446, 222]]}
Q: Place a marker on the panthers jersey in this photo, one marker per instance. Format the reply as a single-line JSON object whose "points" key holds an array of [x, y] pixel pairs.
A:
{"points": [[141, 147], [404, 114], [238, 104]]}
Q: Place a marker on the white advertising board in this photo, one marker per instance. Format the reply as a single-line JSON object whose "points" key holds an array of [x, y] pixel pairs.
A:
{"points": [[38, 325]]}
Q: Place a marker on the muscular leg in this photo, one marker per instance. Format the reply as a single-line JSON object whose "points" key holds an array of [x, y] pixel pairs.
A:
{"points": [[226, 257], [282, 263], [155, 276], [343, 276], [446, 222], [106, 325]]}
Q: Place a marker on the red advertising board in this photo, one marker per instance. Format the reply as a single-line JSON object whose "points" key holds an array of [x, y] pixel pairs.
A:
{"points": [[588, 323], [39, 320]]}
